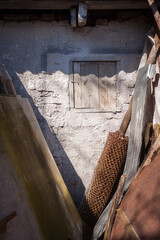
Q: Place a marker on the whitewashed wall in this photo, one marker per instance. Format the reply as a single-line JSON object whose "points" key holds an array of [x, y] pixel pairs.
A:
{"points": [[38, 56]]}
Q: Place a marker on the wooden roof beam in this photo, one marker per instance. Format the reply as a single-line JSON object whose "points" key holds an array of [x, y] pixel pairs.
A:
{"points": [[62, 4]]}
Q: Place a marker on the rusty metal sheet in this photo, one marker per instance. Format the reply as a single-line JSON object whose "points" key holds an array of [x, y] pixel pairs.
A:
{"points": [[141, 205]]}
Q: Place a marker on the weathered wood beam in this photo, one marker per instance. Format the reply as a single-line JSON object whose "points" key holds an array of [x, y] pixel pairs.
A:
{"points": [[126, 120], [6, 84], [62, 4], [107, 5], [153, 150], [137, 123], [157, 43], [114, 208], [155, 11]]}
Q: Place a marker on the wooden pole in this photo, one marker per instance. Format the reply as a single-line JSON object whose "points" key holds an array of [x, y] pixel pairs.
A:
{"points": [[114, 207], [126, 120], [156, 130], [153, 150], [157, 43], [155, 12], [156, 15]]}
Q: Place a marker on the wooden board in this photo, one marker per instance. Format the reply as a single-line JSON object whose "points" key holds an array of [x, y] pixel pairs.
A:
{"points": [[89, 78], [31, 159], [95, 85], [77, 85], [136, 126], [6, 84]]}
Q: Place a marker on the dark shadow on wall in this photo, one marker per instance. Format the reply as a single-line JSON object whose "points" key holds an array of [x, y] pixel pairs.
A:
{"points": [[69, 174]]}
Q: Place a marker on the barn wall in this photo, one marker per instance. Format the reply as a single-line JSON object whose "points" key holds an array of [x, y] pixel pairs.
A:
{"points": [[39, 56]]}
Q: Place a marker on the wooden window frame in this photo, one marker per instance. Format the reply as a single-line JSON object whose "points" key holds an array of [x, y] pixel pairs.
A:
{"points": [[93, 58]]}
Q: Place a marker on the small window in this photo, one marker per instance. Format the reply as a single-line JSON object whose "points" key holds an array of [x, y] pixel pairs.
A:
{"points": [[94, 85]]}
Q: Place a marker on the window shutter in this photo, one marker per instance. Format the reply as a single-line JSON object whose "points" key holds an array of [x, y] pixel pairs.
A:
{"points": [[95, 85], [107, 84]]}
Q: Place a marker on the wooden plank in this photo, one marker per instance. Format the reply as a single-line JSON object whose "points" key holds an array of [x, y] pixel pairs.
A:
{"points": [[126, 120], [112, 213], [110, 5], [62, 4], [136, 126], [107, 85], [144, 61], [153, 150], [32, 160], [155, 12], [89, 78], [6, 84], [3, 89], [77, 85]]}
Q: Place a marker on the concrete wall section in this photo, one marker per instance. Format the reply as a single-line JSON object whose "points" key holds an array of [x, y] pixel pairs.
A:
{"points": [[39, 58]]}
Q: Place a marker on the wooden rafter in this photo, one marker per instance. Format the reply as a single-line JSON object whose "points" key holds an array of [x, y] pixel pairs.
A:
{"points": [[67, 4]]}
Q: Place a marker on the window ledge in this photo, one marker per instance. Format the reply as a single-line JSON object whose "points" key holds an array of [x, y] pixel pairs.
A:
{"points": [[95, 110]]}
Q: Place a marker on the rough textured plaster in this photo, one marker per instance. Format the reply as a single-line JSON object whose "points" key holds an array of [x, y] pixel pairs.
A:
{"points": [[38, 56]]}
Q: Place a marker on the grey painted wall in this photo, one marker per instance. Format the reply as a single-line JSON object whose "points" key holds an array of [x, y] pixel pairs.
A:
{"points": [[39, 57]]}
